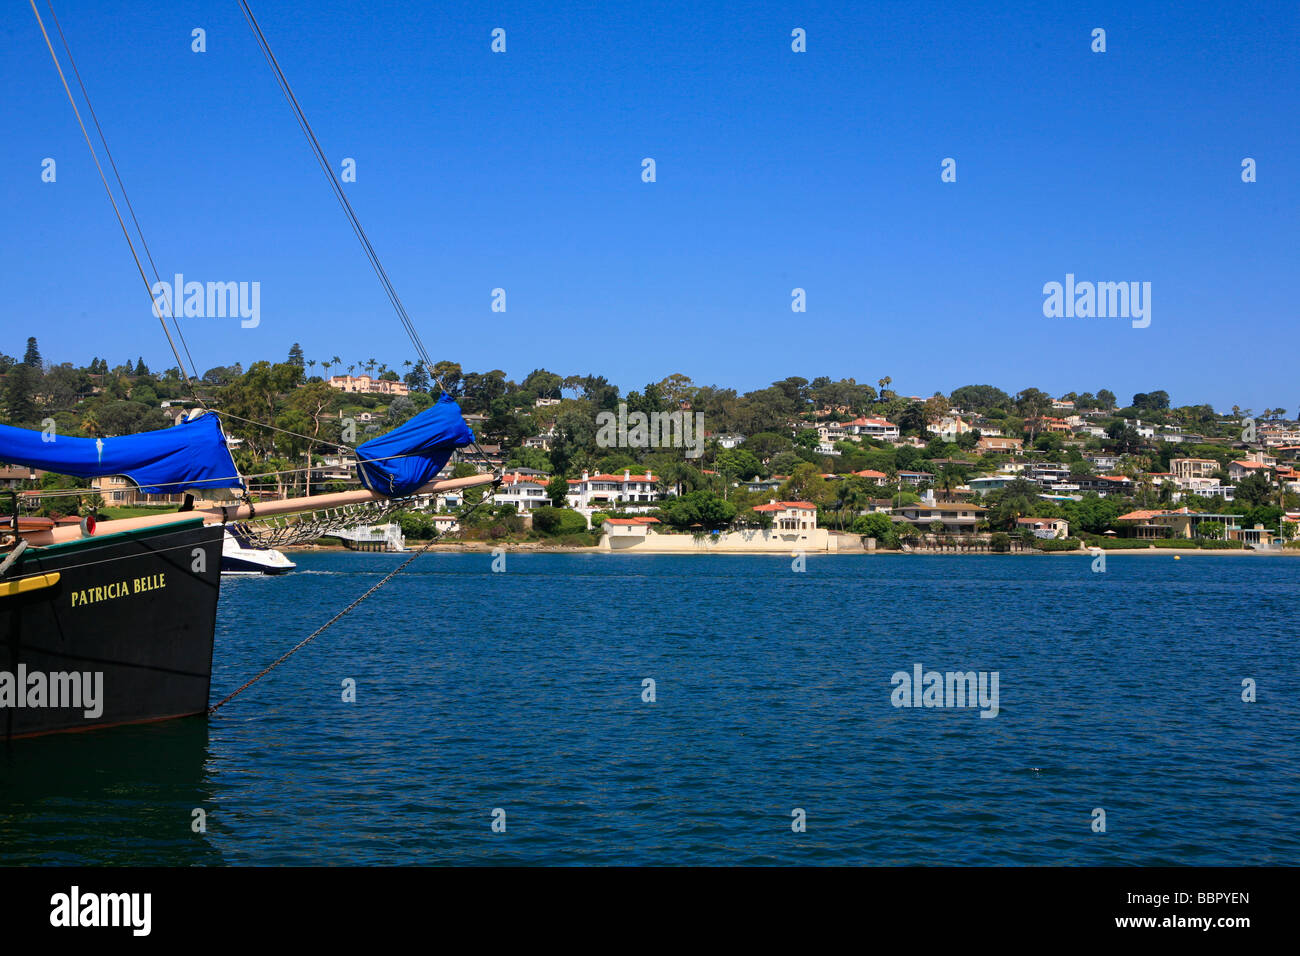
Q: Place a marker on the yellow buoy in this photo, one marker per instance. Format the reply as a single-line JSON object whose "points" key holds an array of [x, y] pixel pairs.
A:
{"points": [[1178, 557]]}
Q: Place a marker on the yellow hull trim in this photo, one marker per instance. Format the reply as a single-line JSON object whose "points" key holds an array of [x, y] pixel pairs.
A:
{"points": [[37, 582]]}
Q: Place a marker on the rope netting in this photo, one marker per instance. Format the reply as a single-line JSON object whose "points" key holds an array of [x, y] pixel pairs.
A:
{"points": [[282, 531]]}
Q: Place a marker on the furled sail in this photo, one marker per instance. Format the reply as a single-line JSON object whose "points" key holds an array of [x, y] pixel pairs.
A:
{"points": [[412, 454], [191, 455]]}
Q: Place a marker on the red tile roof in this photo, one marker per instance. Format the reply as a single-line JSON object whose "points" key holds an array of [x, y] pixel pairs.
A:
{"points": [[618, 478], [520, 479], [786, 505], [1139, 515]]}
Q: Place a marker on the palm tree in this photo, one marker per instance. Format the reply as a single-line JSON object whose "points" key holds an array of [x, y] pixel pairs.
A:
{"points": [[950, 475], [855, 496], [1145, 486], [679, 477], [1167, 489]]}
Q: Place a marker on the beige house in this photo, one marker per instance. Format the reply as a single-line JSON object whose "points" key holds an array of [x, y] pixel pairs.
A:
{"points": [[1193, 467], [999, 445], [1256, 537], [368, 385], [121, 492], [642, 533], [949, 428], [13, 476], [1183, 523], [1238, 470], [956, 517]]}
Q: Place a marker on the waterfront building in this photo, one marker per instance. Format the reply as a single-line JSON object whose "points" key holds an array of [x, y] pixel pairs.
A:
{"points": [[790, 515], [956, 517], [1045, 527]]}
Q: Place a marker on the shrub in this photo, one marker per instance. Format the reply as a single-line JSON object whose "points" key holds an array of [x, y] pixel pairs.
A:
{"points": [[876, 525], [415, 525], [556, 522], [1057, 544], [1208, 544]]}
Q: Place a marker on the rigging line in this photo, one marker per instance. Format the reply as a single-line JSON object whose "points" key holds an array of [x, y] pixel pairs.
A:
{"points": [[373, 256], [346, 205], [276, 428], [104, 179], [320, 630], [126, 198]]}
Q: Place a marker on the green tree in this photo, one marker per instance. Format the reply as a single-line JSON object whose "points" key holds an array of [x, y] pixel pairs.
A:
{"points": [[698, 507], [980, 398], [1254, 490], [737, 463], [807, 438], [1017, 500], [876, 525], [557, 490], [20, 395]]}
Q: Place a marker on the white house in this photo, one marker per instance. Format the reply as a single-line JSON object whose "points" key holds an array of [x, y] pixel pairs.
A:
{"points": [[1240, 469], [525, 492], [445, 524], [1102, 462], [790, 515], [601, 490], [1045, 527], [949, 428], [873, 428]]}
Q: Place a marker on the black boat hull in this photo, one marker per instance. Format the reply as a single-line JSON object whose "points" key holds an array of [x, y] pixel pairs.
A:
{"points": [[135, 612]]}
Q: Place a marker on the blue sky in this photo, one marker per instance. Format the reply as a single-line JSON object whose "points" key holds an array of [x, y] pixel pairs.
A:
{"points": [[775, 170]]}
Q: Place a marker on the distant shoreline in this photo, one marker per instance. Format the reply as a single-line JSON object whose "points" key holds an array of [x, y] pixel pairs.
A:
{"points": [[533, 547]]}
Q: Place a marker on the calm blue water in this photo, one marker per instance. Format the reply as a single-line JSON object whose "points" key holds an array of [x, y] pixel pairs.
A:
{"points": [[522, 691]]}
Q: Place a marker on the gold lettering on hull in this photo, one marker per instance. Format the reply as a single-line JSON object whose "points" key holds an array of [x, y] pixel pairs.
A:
{"points": [[119, 589]]}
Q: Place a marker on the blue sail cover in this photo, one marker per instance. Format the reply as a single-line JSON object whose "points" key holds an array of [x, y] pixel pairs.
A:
{"points": [[412, 454], [187, 456]]}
